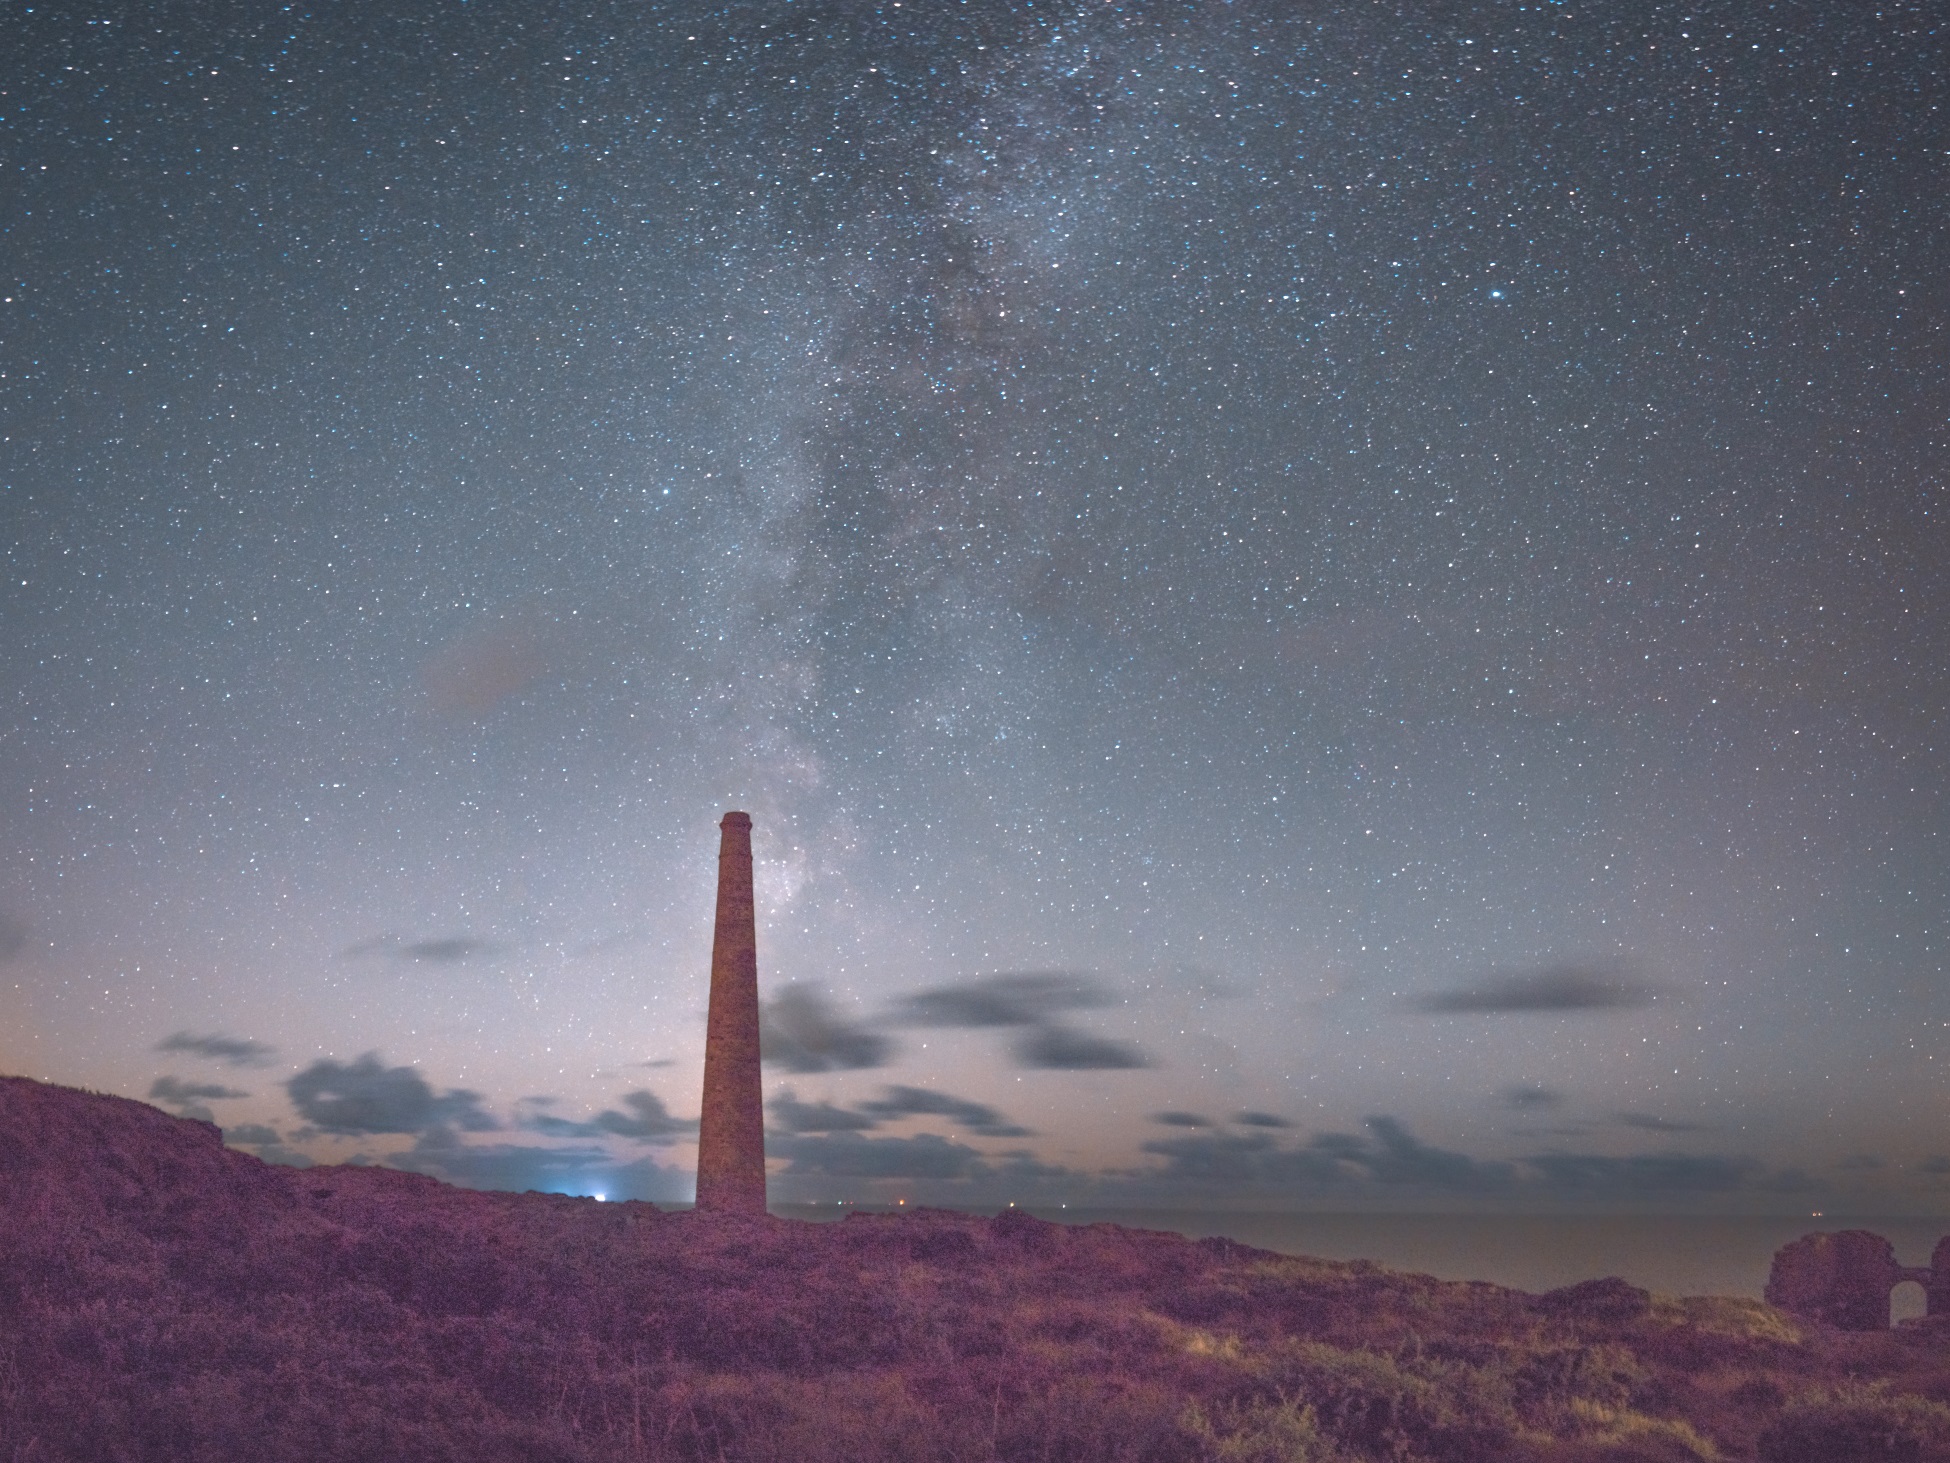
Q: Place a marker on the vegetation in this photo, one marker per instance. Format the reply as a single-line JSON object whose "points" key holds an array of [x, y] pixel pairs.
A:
{"points": [[163, 1298]]}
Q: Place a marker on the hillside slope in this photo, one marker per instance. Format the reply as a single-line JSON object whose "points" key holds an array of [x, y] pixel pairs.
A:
{"points": [[162, 1297]]}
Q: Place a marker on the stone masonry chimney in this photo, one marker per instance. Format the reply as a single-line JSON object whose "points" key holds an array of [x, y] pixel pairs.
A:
{"points": [[731, 1135]]}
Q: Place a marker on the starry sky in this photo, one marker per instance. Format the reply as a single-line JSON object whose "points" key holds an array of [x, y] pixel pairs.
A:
{"points": [[1320, 606]]}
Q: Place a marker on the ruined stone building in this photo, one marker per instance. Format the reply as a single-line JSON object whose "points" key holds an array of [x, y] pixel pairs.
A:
{"points": [[1844, 1279]]}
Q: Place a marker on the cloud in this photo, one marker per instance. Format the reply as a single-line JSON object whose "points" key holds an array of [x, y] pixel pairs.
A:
{"points": [[186, 1099], [1652, 1124], [974, 1116], [451, 951], [174, 1089], [1392, 1156], [1862, 1162], [1026, 998], [1603, 1175], [646, 1120], [1552, 988], [1231, 1160], [1176, 1119], [235, 1051], [13, 936], [515, 1167], [365, 1097], [800, 1031], [789, 1115], [849, 1155], [444, 950], [1527, 1096], [1259, 1120], [1063, 1049], [793, 1116], [265, 1143], [1398, 1158], [251, 1135], [1387, 1156]]}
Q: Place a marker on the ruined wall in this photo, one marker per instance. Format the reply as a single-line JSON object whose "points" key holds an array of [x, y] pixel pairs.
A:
{"points": [[1844, 1279]]}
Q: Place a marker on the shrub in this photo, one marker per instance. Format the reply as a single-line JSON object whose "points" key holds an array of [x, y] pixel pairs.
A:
{"points": [[1856, 1423]]}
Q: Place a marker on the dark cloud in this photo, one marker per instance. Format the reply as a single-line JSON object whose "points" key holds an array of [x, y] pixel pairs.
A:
{"points": [[1392, 1156], [1606, 1176], [849, 1155], [976, 1117], [646, 1120], [1650, 1123], [236, 1051], [1064, 1049], [1935, 1164], [793, 1116], [450, 951], [1398, 1158], [1019, 1166], [366, 1097], [13, 936], [445, 950], [1555, 1130], [1025, 998], [1176, 1119], [1527, 1096], [174, 1089], [800, 1031], [1552, 988], [265, 1143], [1861, 1162], [789, 1115], [1230, 1160], [515, 1167], [1260, 1120], [186, 1099], [1388, 1155]]}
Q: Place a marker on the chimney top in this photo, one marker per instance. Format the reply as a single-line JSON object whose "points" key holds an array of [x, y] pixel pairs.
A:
{"points": [[736, 820]]}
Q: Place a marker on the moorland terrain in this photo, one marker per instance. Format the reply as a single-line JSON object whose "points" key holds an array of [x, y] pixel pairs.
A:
{"points": [[165, 1298]]}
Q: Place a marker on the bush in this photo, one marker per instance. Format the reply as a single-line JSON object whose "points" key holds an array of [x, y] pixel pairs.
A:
{"points": [[1856, 1423]]}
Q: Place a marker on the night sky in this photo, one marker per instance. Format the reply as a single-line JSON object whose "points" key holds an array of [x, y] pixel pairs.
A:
{"points": [[1316, 606]]}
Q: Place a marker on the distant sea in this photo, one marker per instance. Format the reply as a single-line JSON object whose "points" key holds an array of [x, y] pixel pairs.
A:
{"points": [[1671, 1254]]}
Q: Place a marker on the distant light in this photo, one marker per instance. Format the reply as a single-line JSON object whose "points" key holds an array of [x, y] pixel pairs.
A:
{"points": [[601, 1197]]}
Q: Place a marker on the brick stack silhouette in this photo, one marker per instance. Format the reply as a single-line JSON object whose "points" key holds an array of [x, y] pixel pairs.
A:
{"points": [[731, 1134]]}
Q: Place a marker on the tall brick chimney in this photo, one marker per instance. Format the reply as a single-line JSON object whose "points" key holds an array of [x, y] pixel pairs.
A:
{"points": [[731, 1135]]}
